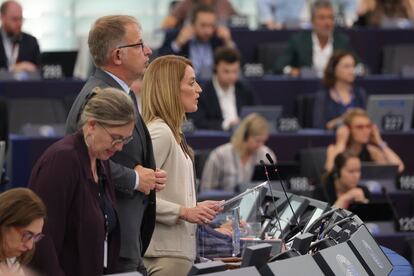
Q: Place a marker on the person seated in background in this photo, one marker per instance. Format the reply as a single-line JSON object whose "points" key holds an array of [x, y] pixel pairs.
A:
{"points": [[74, 180], [340, 186], [198, 41], [233, 163], [222, 98], [390, 14], [339, 93], [361, 137], [313, 49], [279, 14], [22, 215], [19, 51], [181, 12]]}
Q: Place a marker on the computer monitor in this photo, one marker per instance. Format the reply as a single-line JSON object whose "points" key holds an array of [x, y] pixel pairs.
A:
{"points": [[270, 112], [314, 211], [375, 176], [391, 113], [286, 217], [58, 64]]}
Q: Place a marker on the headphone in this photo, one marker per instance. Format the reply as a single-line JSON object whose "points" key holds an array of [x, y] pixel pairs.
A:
{"points": [[336, 172]]}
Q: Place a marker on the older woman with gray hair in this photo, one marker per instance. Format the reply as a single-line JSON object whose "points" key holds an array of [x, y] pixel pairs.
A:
{"points": [[73, 179]]}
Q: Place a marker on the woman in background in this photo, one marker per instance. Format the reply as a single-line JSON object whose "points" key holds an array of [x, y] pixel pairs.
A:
{"points": [[339, 93], [170, 90], [361, 137], [22, 215], [340, 187], [233, 163]]}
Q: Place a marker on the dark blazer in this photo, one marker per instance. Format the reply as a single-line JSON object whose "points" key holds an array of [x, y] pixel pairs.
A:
{"points": [[28, 51], [75, 227], [136, 211], [209, 115], [170, 36], [326, 109], [299, 51]]}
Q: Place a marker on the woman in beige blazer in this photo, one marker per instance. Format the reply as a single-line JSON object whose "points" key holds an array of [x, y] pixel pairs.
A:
{"points": [[169, 90]]}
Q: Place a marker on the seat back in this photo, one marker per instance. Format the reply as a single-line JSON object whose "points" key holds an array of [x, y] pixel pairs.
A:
{"points": [[268, 54], [397, 57], [35, 111], [312, 163]]}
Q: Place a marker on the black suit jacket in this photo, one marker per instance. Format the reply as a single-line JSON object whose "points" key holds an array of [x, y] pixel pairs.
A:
{"points": [[209, 115], [170, 36], [28, 51], [136, 230]]}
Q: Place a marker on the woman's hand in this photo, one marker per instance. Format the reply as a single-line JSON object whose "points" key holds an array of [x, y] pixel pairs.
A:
{"points": [[342, 135], [376, 138], [353, 195], [203, 213]]}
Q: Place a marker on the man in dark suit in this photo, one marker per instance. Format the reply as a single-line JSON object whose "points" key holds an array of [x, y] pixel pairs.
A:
{"points": [[313, 49], [198, 40], [19, 51], [222, 98], [120, 55]]}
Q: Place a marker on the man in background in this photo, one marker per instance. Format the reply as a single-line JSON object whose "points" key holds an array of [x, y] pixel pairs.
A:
{"points": [[222, 98], [19, 51], [198, 41], [313, 49]]}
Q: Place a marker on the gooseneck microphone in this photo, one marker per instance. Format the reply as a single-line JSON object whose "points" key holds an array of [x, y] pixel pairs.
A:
{"points": [[271, 194], [283, 187], [391, 204]]}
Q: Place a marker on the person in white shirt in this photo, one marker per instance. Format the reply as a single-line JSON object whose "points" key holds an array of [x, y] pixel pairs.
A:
{"points": [[22, 215], [313, 49], [222, 98]]}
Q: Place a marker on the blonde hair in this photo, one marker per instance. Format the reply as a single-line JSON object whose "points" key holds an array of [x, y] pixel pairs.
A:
{"points": [[107, 33], [253, 125], [160, 92], [351, 113], [19, 207], [109, 107]]}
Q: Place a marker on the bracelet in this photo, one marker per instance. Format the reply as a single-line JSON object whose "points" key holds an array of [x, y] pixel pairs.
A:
{"points": [[383, 145]]}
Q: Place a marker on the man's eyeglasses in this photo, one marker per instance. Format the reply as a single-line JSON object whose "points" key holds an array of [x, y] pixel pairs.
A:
{"points": [[116, 141], [141, 44], [27, 236]]}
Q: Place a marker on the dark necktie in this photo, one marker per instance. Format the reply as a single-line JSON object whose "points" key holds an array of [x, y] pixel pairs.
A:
{"points": [[134, 100]]}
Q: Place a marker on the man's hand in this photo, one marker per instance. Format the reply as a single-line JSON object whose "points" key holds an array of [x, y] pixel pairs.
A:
{"points": [[24, 66], [146, 179], [186, 33], [160, 179]]}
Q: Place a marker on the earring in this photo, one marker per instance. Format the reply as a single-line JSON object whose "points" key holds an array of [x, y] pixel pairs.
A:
{"points": [[90, 136]]}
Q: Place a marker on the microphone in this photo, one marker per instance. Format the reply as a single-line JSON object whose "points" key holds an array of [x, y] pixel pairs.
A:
{"points": [[271, 194], [283, 187], [393, 210]]}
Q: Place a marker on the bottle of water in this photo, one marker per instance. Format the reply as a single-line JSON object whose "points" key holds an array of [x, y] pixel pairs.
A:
{"points": [[236, 231]]}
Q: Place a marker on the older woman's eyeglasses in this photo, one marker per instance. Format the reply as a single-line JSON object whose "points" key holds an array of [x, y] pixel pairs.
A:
{"points": [[115, 140], [28, 235]]}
